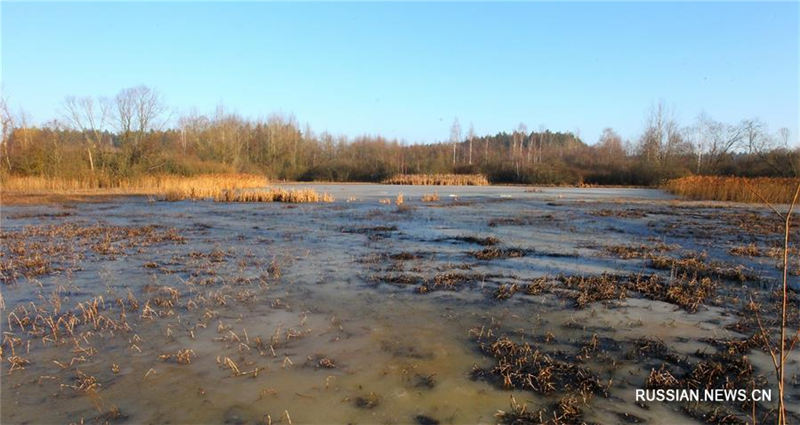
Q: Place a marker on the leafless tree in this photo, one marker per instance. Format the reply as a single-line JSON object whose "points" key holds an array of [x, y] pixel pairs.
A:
{"points": [[755, 135], [715, 140], [783, 134], [662, 140], [89, 116], [518, 141], [138, 109], [539, 142], [609, 148], [455, 137], [7, 120], [471, 136]]}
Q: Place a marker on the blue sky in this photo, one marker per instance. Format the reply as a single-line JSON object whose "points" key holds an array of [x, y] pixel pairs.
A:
{"points": [[405, 70]]}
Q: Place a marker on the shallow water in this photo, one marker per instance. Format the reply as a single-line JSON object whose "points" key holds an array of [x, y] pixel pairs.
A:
{"points": [[398, 356]]}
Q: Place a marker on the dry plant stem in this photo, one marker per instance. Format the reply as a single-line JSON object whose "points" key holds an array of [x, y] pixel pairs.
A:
{"points": [[784, 353], [779, 359]]}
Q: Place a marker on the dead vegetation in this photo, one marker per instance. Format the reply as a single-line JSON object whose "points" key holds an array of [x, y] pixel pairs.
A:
{"points": [[720, 370], [438, 179], [564, 412], [590, 289], [495, 253], [654, 348], [736, 189], [449, 281], [696, 265], [537, 286], [39, 250], [684, 286], [621, 213], [430, 197], [524, 220], [182, 356], [82, 332], [293, 196], [637, 251], [750, 250], [523, 367], [685, 291], [483, 241], [205, 185]]}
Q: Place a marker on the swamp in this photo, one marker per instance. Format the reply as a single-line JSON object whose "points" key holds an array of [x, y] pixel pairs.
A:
{"points": [[391, 304]]}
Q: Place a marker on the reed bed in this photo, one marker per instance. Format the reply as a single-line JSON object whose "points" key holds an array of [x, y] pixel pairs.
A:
{"points": [[439, 179], [734, 189], [199, 185], [273, 195]]}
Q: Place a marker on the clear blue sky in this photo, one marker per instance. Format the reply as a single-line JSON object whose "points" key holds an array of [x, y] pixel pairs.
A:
{"points": [[406, 70]]}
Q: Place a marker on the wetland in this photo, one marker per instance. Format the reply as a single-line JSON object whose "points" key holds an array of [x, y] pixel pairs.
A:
{"points": [[481, 304]]}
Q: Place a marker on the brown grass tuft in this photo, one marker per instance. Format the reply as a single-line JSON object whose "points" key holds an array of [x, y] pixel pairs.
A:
{"points": [[430, 197]]}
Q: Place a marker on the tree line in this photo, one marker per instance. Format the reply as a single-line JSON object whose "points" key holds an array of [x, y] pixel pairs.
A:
{"points": [[133, 134]]}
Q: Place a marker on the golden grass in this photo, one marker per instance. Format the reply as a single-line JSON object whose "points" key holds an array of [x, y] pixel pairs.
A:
{"points": [[19, 189], [273, 195], [152, 184], [439, 179], [735, 189], [218, 187]]}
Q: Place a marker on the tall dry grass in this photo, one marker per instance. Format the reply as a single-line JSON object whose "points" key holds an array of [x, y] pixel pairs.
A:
{"points": [[735, 189], [273, 195], [439, 179], [205, 185]]}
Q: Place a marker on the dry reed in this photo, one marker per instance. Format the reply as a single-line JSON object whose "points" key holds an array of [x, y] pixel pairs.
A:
{"points": [[735, 189], [151, 184], [272, 195], [430, 197], [439, 179]]}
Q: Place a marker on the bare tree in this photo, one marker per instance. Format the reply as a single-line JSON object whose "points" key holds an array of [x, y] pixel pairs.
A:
{"points": [[715, 140], [138, 110], [784, 133], [754, 135], [471, 136], [455, 137], [485, 150], [89, 117], [662, 139], [520, 135], [609, 147], [7, 121]]}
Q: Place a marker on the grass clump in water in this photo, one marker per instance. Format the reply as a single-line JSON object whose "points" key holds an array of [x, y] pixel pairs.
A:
{"points": [[274, 195], [439, 179], [494, 252]]}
